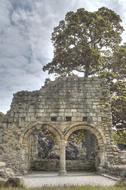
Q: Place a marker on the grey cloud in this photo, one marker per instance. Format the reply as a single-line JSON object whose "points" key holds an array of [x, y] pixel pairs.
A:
{"points": [[26, 5]]}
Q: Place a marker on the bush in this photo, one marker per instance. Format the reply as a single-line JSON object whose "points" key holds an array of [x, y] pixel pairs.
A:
{"points": [[2, 183], [121, 183], [14, 182]]}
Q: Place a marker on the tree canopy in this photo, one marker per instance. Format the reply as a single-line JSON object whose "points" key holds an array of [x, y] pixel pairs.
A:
{"points": [[84, 40]]}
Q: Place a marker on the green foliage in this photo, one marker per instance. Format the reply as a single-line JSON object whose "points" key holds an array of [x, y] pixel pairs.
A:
{"points": [[2, 183], [119, 136], [12, 183], [118, 89], [119, 104], [115, 75], [83, 41], [121, 183], [118, 61], [15, 183]]}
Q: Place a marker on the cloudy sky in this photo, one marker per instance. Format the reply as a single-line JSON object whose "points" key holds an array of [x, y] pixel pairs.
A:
{"points": [[25, 45]]}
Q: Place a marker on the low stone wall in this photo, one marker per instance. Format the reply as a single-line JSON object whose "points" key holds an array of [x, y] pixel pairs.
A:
{"points": [[80, 165], [45, 165], [117, 170], [53, 165]]}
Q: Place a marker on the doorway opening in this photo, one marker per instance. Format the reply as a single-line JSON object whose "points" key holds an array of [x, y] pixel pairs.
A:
{"points": [[81, 151], [44, 151]]}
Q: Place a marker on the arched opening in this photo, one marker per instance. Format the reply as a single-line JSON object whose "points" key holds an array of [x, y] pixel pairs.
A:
{"points": [[90, 152], [44, 151], [81, 150], [41, 148]]}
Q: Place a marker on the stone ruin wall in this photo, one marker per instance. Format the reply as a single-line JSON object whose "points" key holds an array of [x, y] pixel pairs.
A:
{"points": [[86, 101], [76, 98]]}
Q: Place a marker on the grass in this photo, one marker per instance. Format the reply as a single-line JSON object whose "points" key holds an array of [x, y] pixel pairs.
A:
{"points": [[69, 188], [120, 185]]}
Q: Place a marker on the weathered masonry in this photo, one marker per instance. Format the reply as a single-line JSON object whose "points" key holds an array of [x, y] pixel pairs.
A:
{"points": [[61, 108]]}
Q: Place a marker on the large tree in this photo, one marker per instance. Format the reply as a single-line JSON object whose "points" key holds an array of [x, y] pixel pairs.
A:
{"points": [[84, 40]]}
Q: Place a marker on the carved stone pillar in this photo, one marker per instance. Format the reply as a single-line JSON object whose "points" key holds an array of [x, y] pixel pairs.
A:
{"points": [[62, 158]]}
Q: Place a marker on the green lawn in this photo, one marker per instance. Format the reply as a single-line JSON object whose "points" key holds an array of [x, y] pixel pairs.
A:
{"points": [[70, 188], [120, 185]]}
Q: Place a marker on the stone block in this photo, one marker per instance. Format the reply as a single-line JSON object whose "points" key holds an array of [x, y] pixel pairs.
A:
{"points": [[2, 164], [6, 172]]}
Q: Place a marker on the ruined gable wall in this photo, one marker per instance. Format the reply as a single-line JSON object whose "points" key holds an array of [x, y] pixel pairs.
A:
{"points": [[72, 97], [78, 98]]}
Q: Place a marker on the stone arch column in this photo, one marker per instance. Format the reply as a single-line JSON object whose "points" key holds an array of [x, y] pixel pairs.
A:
{"points": [[101, 152], [62, 157]]}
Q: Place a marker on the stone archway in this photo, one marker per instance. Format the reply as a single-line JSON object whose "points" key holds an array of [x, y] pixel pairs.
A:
{"points": [[27, 139], [81, 150], [100, 137], [100, 160]]}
